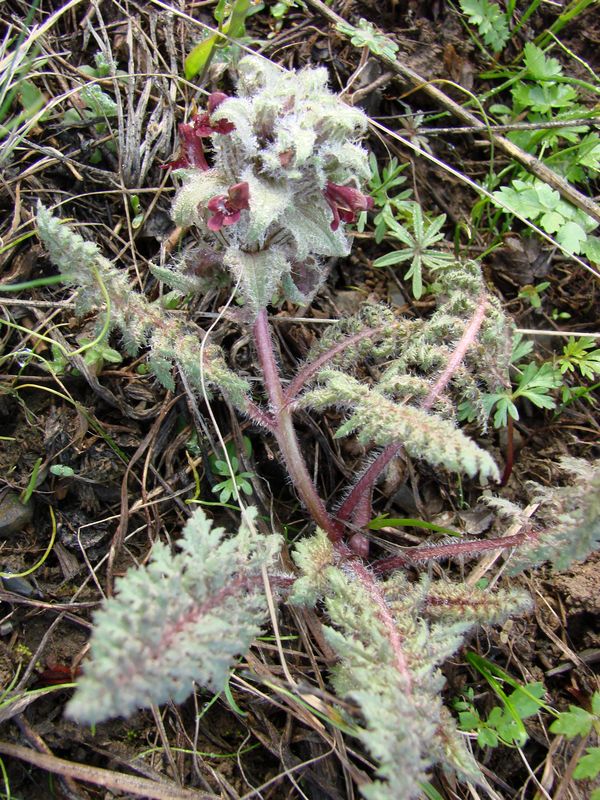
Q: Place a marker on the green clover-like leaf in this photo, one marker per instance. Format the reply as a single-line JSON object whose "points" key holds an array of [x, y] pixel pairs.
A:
{"points": [[588, 765], [366, 35], [574, 722]]}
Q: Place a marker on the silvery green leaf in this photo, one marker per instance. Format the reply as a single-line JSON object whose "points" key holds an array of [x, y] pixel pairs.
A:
{"points": [[259, 273], [239, 112], [179, 619], [350, 157], [195, 193], [255, 74], [310, 226], [269, 200]]}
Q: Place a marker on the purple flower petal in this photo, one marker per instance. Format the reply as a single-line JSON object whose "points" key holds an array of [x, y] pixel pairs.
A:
{"points": [[191, 147], [204, 127], [344, 202], [239, 195], [178, 163], [232, 218], [335, 222], [217, 203], [226, 208], [216, 222], [215, 99]]}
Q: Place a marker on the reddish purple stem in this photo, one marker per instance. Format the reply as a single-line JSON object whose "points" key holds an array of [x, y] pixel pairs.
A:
{"points": [[364, 486], [283, 429], [358, 501], [367, 480], [311, 369], [415, 555]]}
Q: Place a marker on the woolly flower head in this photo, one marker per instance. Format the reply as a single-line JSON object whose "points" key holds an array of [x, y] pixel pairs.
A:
{"points": [[286, 174]]}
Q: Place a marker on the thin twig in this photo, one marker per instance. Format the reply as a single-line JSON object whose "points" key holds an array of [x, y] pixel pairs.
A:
{"points": [[106, 778], [532, 332], [515, 126]]}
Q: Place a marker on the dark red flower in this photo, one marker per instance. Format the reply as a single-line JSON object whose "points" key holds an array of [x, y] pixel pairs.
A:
{"points": [[214, 100], [191, 152], [344, 202], [204, 127], [226, 208], [202, 124]]}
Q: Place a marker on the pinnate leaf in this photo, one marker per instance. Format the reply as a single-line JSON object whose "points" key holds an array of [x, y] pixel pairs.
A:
{"points": [[535, 383], [490, 21], [179, 619], [365, 35], [379, 420]]}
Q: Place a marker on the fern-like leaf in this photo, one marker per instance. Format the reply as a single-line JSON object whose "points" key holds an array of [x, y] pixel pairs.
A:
{"points": [[356, 329], [381, 421], [169, 339], [181, 618], [569, 517], [404, 724]]}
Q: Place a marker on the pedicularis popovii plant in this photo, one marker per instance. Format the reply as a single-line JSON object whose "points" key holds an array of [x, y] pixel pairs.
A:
{"points": [[269, 201]]}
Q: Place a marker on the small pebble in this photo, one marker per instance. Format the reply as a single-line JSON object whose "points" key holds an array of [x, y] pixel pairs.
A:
{"points": [[20, 586], [13, 514]]}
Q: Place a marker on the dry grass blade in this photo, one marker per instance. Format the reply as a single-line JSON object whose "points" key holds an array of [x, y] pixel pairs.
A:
{"points": [[146, 120], [141, 787], [14, 66]]}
